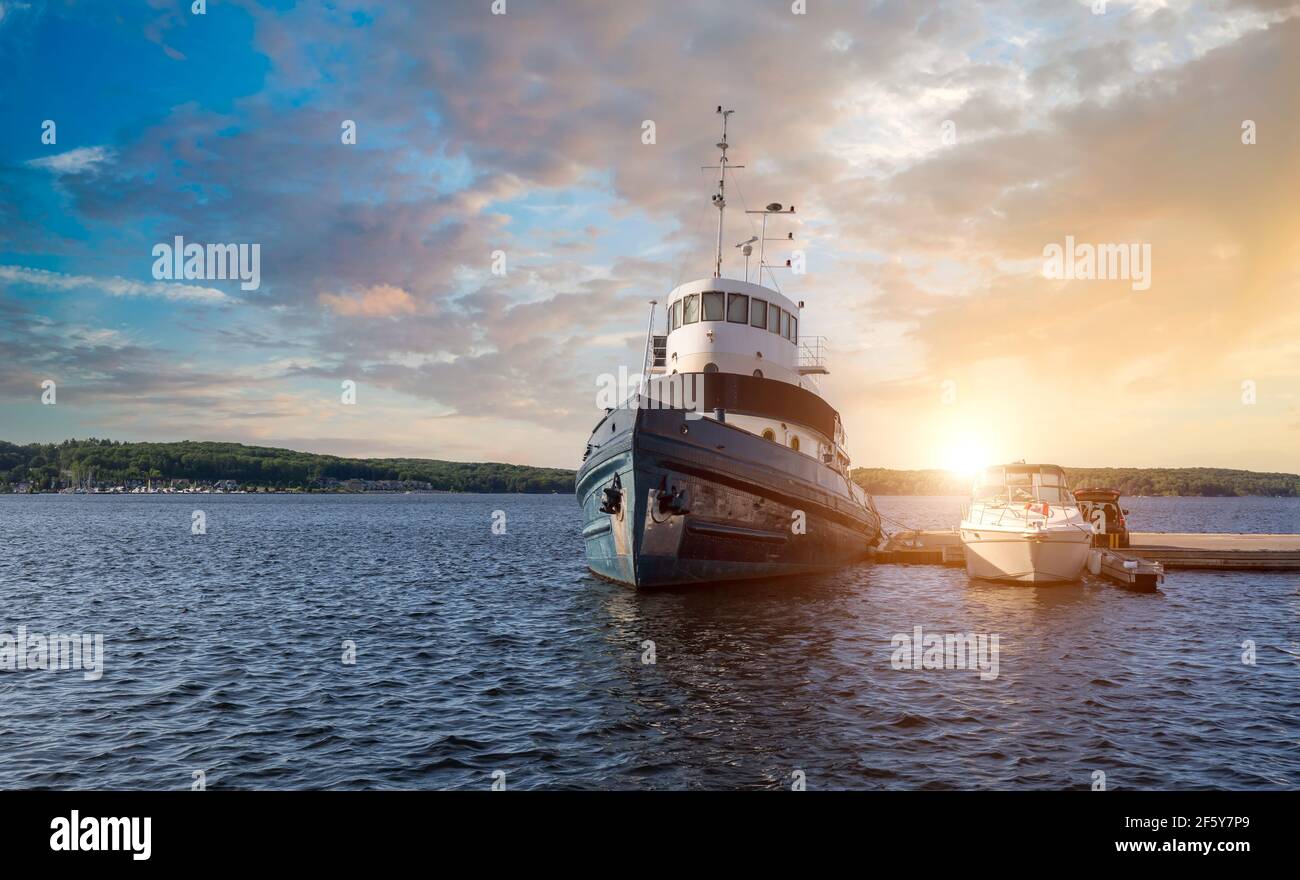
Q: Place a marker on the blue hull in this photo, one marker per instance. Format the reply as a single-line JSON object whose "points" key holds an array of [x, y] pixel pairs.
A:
{"points": [[699, 500]]}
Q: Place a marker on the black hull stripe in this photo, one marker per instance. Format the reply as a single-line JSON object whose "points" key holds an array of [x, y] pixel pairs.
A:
{"points": [[723, 530]]}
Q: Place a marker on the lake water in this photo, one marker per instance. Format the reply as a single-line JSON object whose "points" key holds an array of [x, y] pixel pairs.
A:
{"points": [[478, 652]]}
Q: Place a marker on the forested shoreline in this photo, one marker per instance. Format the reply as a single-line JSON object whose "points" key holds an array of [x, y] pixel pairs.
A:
{"points": [[1205, 482], [98, 463]]}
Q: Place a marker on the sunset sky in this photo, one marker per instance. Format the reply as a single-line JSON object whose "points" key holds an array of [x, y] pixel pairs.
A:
{"points": [[933, 150]]}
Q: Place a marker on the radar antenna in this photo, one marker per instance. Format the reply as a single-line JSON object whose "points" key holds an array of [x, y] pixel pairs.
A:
{"points": [[771, 209]]}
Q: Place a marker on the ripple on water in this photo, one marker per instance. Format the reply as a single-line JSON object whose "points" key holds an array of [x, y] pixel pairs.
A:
{"points": [[477, 653]]}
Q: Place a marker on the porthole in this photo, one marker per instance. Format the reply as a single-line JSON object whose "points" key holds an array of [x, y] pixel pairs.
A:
{"points": [[710, 368], [758, 374]]}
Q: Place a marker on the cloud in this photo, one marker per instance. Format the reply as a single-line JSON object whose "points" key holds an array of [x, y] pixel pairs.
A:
{"points": [[113, 286], [379, 301], [923, 254], [82, 160], [6, 8]]}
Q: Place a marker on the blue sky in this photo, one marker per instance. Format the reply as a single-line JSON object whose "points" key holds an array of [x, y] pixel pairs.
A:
{"points": [[521, 133]]}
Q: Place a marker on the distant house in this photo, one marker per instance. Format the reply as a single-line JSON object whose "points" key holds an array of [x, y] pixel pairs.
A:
{"points": [[22, 488]]}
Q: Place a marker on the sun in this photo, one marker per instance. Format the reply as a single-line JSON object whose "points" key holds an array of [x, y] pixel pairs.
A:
{"points": [[964, 456]]}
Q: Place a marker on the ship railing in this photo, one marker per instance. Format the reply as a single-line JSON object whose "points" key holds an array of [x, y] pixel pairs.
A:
{"points": [[988, 507], [814, 355]]}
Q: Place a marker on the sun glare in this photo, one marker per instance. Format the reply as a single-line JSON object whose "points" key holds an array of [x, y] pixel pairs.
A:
{"points": [[965, 457]]}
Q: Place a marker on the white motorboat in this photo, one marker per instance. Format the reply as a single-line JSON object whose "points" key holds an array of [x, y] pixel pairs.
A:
{"points": [[1023, 525]]}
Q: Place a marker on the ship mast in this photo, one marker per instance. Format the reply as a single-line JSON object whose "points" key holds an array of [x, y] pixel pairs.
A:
{"points": [[720, 197]]}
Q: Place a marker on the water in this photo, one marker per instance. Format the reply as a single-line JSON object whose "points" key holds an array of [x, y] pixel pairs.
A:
{"points": [[479, 653]]}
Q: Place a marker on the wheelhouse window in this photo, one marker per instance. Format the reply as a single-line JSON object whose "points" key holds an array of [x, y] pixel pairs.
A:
{"points": [[785, 323], [713, 306], [691, 313], [794, 442], [769, 434], [677, 314], [773, 318], [794, 329], [757, 313], [710, 367], [737, 308]]}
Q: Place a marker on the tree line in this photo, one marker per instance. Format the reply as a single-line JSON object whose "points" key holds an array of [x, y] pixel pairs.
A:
{"points": [[1211, 482], [108, 462], [51, 465]]}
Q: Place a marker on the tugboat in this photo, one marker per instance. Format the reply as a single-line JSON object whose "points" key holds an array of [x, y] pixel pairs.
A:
{"points": [[726, 462]]}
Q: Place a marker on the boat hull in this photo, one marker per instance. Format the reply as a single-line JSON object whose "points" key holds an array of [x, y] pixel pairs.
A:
{"points": [[1049, 558], [702, 501]]}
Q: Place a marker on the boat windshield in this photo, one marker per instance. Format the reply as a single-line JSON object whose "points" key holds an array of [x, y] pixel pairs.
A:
{"points": [[1012, 485], [990, 492], [1055, 495]]}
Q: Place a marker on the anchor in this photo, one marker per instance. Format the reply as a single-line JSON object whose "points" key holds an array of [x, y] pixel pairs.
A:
{"points": [[675, 501], [613, 496]]}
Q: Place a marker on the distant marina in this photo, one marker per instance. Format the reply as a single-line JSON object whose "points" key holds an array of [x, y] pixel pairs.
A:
{"points": [[229, 487]]}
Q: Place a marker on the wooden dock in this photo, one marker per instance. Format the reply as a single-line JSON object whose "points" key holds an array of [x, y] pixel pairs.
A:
{"points": [[1163, 550], [923, 548], [1222, 552]]}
